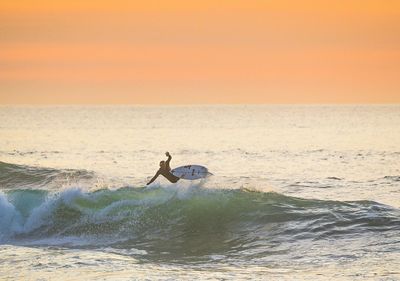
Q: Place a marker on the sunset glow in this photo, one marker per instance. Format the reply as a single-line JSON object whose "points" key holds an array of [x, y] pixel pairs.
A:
{"points": [[178, 52]]}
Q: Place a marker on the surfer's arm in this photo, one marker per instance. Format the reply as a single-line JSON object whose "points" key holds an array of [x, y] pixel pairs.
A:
{"points": [[168, 160], [154, 178]]}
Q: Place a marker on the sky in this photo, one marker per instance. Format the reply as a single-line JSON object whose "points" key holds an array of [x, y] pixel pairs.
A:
{"points": [[199, 52]]}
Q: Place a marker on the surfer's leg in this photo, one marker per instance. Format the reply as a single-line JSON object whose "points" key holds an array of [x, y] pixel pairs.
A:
{"points": [[173, 180], [171, 177]]}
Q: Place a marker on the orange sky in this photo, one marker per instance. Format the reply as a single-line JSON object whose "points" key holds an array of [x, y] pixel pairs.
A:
{"points": [[167, 52]]}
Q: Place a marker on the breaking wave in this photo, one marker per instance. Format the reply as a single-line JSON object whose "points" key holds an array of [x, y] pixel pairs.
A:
{"points": [[187, 221]]}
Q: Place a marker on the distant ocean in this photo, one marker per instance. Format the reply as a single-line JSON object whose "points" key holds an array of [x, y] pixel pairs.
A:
{"points": [[297, 193]]}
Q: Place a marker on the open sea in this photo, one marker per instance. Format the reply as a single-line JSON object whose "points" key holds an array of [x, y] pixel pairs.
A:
{"points": [[307, 192]]}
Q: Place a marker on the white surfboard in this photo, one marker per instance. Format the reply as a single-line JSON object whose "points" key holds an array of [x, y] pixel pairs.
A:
{"points": [[191, 172]]}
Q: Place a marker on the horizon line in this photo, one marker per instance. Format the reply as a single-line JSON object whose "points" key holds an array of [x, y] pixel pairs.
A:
{"points": [[191, 104]]}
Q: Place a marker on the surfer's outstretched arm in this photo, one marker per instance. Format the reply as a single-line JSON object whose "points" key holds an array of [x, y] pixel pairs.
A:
{"points": [[168, 160], [154, 178]]}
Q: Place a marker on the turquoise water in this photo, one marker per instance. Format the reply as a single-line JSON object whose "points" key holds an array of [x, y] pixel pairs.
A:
{"points": [[298, 192]]}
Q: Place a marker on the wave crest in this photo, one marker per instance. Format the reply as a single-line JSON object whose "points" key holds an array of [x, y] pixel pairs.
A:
{"points": [[13, 176]]}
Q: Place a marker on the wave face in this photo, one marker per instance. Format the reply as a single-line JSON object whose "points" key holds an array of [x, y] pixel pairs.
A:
{"points": [[21, 176], [183, 222]]}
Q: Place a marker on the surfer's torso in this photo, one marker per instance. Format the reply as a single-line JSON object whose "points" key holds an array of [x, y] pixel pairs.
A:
{"points": [[165, 170], [166, 173]]}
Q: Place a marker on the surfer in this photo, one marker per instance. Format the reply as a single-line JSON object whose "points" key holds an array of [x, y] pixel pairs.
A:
{"points": [[165, 170]]}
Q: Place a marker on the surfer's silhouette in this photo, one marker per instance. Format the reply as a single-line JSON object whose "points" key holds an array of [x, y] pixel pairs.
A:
{"points": [[165, 170]]}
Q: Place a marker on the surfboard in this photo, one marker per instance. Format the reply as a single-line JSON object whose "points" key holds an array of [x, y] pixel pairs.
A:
{"points": [[191, 172]]}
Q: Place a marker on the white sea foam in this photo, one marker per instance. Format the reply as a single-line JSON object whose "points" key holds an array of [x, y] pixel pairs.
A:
{"points": [[10, 218]]}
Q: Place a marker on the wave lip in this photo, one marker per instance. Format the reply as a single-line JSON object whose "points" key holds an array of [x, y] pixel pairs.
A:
{"points": [[13, 176]]}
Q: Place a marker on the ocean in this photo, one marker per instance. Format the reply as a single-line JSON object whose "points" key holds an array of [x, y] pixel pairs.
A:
{"points": [[298, 192]]}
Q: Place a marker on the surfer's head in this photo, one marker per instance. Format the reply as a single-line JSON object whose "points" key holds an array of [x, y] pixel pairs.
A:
{"points": [[162, 164]]}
